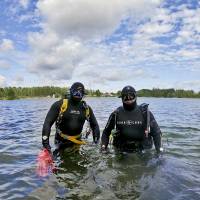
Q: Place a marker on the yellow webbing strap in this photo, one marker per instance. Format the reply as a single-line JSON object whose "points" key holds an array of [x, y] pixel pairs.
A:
{"points": [[64, 106], [111, 138], [72, 138], [87, 112]]}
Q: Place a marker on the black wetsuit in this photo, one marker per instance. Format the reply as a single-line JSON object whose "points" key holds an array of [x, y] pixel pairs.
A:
{"points": [[72, 121], [130, 127]]}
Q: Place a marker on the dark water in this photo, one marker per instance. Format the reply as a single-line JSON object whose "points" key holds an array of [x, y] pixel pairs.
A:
{"points": [[91, 175]]}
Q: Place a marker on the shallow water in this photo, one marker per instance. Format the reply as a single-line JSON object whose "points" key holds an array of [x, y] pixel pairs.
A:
{"points": [[87, 174]]}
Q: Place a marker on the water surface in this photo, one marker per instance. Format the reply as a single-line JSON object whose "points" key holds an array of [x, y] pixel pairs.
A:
{"points": [[91, 175]]}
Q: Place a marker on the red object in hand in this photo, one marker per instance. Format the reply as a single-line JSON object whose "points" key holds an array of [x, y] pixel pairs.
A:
{"points": [[45, 163]]}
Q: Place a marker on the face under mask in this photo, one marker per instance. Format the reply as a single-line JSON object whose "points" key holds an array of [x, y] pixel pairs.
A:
{"points": [[129, 98], [77, 94]]}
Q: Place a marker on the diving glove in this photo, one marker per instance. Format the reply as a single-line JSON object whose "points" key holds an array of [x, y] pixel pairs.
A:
{"points": [[159, 152], [103, 149], [95, 138], [45, 143], [96, 141]]}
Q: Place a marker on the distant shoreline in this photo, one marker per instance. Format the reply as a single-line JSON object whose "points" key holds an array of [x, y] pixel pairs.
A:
{"points": [[39, 97], [9, 93]]}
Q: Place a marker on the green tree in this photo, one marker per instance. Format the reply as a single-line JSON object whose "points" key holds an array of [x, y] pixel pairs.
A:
{"points": [[11, 94], [98, 93]]}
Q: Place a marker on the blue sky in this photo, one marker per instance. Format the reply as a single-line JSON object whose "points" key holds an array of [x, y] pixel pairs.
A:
{"points": [[104, 44]]}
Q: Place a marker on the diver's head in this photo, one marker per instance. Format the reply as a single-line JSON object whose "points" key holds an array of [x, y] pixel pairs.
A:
{"points": [[129, 97], [77, 91]]}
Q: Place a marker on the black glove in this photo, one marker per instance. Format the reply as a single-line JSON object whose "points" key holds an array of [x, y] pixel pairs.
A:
{"points": [[95, 138], [45, 143], [103, 149], [159, 152]]}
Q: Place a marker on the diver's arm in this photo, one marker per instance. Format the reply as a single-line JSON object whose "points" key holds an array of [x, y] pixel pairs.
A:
{"points": [[94, 126], [107, 131], [155, 132], [49, 121]]}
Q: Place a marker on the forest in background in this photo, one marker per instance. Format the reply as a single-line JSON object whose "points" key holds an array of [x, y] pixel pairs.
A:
{"points": [[59, 92]]}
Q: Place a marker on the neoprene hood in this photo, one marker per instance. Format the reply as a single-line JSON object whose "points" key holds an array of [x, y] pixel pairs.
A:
{"points": [[128, 90], [77, 91]]}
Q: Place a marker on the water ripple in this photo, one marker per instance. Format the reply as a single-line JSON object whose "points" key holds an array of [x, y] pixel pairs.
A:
{"points": [[91, 175]]}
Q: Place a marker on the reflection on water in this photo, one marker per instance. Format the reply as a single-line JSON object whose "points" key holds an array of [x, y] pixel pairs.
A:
{"points": [[88, 174]]}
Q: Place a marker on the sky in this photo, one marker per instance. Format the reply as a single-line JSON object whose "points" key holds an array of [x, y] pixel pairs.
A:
{"points": [[104, 44]]}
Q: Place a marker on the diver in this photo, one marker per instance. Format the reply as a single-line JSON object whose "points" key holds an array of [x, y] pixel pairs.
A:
{"points": [[69, 115], [135, 127]]}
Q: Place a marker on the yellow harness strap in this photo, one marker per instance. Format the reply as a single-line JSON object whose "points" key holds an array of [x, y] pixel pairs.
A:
{"points": [[87, 112], [64, 106], [72, 138]]}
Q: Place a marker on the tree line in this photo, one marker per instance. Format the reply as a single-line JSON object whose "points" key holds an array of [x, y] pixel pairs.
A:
{"points": [[59, 92], [25, 92], [179, 93]]}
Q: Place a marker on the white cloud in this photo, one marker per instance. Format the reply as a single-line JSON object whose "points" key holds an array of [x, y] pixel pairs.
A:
{"points": [[43, 41], [4, 64], [160, 24], [17, 80], [105, 74], [24, 3], [187, 53], [23, 18], [189, 84], [53, 57], [189, 32], [155, 29], [165, 24], [76, 41], [88, 19], [2, 81], [70, 32], [6, 45], [16, 8]]}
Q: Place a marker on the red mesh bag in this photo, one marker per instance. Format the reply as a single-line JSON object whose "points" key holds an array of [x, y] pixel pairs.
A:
{"points": [[45, 163]]}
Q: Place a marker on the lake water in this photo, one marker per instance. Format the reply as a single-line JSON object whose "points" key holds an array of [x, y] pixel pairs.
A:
{"points": [[89, 174]]}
